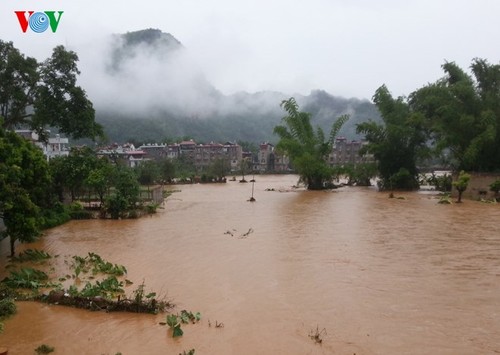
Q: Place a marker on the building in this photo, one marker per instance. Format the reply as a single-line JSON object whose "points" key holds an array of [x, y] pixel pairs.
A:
{"points": [[53, 147], [123, 154], [270, 160], [154, 151], [346, 152]]}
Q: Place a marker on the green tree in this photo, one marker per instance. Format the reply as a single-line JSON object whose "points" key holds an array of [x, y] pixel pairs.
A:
{"points": [[397, 143], [100, 179], [359, 174], [307, 149], [70, 173], [41, 95], [461, 184], [167, 169], [148, 173], [463, 114], [24, 187]]}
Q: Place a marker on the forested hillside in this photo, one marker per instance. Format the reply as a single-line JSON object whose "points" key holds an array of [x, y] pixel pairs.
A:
{"points": [[182, 102]]}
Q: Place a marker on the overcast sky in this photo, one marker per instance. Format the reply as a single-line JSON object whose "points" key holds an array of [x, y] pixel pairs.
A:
{"points": [[348, 48]]}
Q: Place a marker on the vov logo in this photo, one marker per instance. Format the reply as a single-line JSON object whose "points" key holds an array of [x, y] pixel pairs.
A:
{"points": [[39, 21]]}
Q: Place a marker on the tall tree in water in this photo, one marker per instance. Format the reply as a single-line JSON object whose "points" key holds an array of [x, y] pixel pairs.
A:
{"points": [[463, 113], [397, 143], [306, 147]]}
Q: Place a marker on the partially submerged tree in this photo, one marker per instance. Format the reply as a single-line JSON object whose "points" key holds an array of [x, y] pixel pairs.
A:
{"points": [[461, 184], [397, 143], [463, 114], [307, 148]]}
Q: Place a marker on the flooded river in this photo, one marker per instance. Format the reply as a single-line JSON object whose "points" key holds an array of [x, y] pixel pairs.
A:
{"points": [[374, 275]]}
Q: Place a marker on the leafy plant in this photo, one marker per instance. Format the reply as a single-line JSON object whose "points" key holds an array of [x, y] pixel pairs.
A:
{"points": [[189, 352], [31, 255], [44, 349], [174, 321], [174, 324], [7, 307], [26, 278]]}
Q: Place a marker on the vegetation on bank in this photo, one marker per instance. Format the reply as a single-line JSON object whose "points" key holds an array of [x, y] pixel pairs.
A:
{"points": [[91, 283]]}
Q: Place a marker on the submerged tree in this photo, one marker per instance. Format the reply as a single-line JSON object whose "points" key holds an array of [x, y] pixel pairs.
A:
{"points": [[397, 143], [461, 184], [463, 113], [307, 149]]}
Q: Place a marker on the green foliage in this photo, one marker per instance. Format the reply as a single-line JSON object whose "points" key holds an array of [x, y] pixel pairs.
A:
{"points": [[7, 307], [97, 265], [44, 349], [461, 184], [174, 321], [32, 255], [495, 186], [463, 114], [106, 288], [126, 194], [148, 172], [24, 187], [396, 143], [306, 147], [26, 278], [48, 89], [441, 183], [55, 216], [359, 174]]}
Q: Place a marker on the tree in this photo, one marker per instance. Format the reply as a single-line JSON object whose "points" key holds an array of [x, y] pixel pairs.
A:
{"points": [[24, 187], [463, 114], [461, 184], [41, 95], [100, 179], [397, 143], [167, 169], [306, 148], [71, 172], [148, 173]]}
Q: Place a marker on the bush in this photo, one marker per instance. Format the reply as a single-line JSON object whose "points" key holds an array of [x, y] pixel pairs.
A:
{"points": [[55, 216], [7, 307], [83, 214]]}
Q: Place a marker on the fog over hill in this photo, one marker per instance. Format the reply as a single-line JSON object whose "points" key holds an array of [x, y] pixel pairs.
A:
{"points": [[145, 86]]}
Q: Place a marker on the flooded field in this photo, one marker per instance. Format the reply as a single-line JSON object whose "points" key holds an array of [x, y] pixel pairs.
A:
{"points": [[374, 275]]}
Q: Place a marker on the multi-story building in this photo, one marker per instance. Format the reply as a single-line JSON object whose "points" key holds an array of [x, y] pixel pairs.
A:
{"points": [[53, 147], [154, 151], [123, 154], [346, 152], [270, 160]]}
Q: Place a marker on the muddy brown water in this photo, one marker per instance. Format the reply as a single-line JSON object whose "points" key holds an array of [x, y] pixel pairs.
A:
{"points": [[374, 275]]}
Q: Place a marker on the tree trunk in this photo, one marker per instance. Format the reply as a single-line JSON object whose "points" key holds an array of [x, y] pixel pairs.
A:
{"points": [[12, 246], [459, 196]]}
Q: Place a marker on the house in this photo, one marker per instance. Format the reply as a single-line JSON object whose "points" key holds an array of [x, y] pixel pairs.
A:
{"points": [[53, 147], [123, 154], [346, 152], [270, 160]]}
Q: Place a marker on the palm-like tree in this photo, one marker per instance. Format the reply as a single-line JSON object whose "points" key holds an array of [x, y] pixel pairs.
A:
{"points": [[306, 147]]}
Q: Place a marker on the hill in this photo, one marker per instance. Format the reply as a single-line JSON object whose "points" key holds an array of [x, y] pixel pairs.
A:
{"points": [[150, 90]]}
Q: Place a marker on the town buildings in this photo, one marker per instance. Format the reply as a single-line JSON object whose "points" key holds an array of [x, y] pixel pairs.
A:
{"points": [[53, 147], [347, 152]]}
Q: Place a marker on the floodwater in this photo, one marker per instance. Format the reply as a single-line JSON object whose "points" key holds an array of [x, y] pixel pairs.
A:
{"points": [[373, 275]]}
